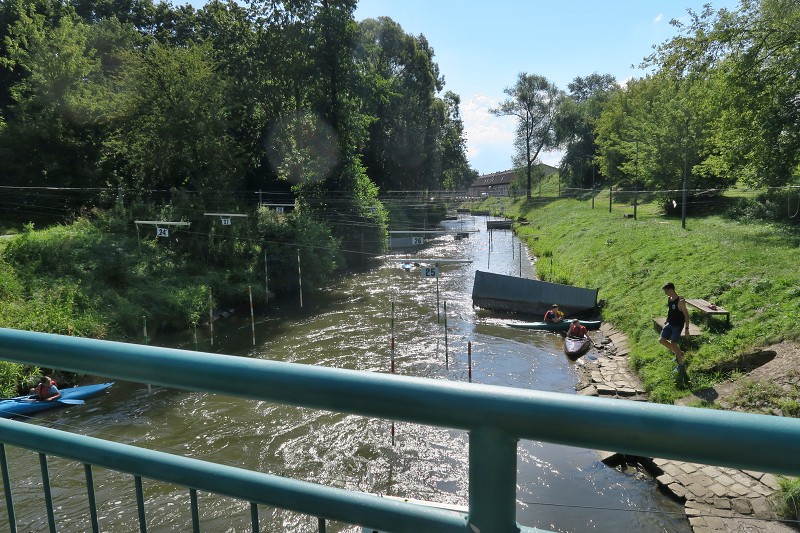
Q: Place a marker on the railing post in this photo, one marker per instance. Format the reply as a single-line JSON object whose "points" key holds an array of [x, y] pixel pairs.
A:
{"points": [[48, 495], [12, 519], [492, 481], [87, 468]]}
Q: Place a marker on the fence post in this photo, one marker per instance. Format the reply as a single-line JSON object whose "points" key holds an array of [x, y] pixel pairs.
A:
{"points": [[492, 481]]}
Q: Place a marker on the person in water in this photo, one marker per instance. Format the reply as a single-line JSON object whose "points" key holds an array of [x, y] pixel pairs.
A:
{"points": [[553, 315], [577, 330], [677, 322], [46, 390]]}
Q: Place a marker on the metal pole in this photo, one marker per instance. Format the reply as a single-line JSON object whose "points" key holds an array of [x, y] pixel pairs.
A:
{"points": [[492, 481], [392, 362], [300, 277], [48, 495], [520, 258], [438, 318], [12, 519], [685, 175], [211, 317], [144, 318], [446, 355], [266, 275], [252, 315], [636, 186], [469, 361], [593, 192], [610, 194]]}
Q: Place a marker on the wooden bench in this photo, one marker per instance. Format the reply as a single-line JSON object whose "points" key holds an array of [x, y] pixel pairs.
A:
{"points": [[658, 323], [708, 309]]}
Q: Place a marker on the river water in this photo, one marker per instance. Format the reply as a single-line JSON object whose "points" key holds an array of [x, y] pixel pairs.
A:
{"points": [[559, 488]]}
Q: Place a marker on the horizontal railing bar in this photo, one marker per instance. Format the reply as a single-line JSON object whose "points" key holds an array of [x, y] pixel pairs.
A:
{"points": [[256, 487], [672, 432]]}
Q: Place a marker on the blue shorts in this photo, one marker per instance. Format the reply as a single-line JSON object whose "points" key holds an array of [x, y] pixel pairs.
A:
{"points": [[671, 332]]}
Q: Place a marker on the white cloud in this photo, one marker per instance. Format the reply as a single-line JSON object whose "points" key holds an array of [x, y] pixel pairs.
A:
{"points": [[490, 139], [658, 18]]}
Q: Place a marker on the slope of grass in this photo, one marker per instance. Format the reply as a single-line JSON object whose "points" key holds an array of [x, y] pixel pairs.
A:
{"points": [[748, 268]]}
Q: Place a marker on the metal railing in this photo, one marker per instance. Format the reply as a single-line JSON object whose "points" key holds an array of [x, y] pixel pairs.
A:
{"points": [[495, 417]]}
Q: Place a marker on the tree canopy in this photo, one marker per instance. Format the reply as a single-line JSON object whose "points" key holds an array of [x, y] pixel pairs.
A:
{"points": [[263, 94]]}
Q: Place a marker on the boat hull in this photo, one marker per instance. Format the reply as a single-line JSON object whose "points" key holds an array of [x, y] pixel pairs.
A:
{"points": [[575, 348], [558, 326], [24, 406]]}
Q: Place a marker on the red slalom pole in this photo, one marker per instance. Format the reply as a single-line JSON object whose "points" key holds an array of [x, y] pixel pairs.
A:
{"points": [[469, 360]]}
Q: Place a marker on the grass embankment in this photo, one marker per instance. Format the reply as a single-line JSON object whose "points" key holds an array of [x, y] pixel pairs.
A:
{"points": [[97, 278], [750, 269]]}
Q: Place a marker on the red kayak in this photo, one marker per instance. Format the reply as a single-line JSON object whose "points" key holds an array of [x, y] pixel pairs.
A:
{"points": [[575, 348]]}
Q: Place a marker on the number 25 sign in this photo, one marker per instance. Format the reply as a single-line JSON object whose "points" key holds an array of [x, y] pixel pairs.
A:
{"points": [[429, 272]]}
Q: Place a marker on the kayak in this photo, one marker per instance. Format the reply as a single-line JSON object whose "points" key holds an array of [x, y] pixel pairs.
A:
{"points": [[575, 348], [558, 326], [24, 405]]}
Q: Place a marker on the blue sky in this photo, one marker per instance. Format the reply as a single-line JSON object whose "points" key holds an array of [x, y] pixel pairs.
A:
{"points": [[482, 46]]}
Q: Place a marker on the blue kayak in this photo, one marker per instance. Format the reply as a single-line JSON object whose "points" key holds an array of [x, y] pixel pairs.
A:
{"points": [[24, 405]]}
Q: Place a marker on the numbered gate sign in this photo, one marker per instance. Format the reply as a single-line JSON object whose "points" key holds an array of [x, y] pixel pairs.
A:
{"points": [[279, 209], [162, 232], [226, 221], [417, 241], [429, 272]]}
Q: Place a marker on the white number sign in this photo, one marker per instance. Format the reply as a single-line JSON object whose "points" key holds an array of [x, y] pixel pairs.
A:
{"points": [[416, 241], [162, 232], [226, 221], [429, 272], [279, 209]]}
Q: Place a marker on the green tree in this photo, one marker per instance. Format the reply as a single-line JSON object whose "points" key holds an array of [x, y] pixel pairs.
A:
{"points": [[399, 93], [575, 124], [747, 60], [171, 122], [53, 131], [533, 100]]}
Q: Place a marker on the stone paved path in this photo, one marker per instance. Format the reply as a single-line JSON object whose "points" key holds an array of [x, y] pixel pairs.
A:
{"points": [[717, 500]]}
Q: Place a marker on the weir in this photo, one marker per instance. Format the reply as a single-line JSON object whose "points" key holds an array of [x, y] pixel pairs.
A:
{"points": [[495, 417]]}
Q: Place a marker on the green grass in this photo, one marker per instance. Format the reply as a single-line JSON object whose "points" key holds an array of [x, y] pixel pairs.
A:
{"points": [[748, 268]]}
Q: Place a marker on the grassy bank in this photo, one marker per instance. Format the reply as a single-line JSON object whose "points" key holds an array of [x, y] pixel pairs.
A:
{"points": [[749, 269]]}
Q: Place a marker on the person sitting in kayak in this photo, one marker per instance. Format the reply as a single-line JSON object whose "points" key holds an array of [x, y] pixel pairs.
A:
{"points": [[553, 315], [46, 390], [577, 330]]}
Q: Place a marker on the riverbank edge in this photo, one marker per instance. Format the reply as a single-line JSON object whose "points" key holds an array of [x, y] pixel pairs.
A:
{"points": [[715, 499]]}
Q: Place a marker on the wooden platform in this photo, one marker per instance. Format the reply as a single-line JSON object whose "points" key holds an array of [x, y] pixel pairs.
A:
{"points": [[708, 309], [658, 324]]}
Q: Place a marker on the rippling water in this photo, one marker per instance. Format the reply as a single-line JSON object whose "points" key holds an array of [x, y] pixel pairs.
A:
{"points": [[349, 325]]}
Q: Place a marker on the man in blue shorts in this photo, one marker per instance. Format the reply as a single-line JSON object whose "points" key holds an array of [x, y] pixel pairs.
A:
{"points": [[677, 322]]}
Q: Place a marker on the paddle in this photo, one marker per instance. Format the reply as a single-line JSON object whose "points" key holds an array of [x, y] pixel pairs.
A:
{"points": [[66, 401]]}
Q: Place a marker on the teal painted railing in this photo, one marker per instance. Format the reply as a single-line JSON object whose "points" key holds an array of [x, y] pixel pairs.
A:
{"points": [[495, 417]]}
